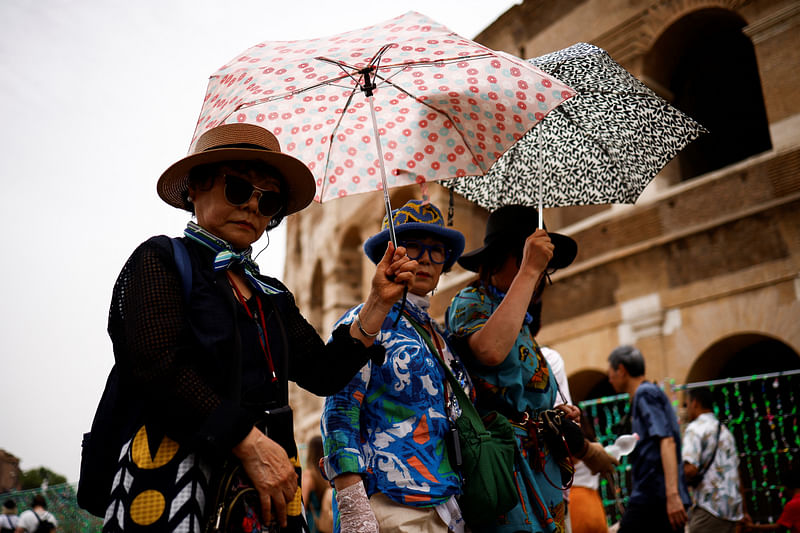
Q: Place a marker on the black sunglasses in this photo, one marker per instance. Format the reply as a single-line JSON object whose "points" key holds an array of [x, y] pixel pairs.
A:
{"points": [[238, 192]]}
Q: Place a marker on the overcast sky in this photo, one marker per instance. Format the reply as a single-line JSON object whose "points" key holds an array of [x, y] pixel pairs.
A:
{"points": [[97, 98]]}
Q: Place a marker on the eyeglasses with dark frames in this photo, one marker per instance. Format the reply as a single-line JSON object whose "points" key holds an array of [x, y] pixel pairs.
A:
{"points": [[438, 253], [238, 192]]}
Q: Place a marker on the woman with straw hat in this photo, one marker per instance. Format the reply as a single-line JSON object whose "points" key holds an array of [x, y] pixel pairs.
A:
{"points": [[386, 432], [205, 345]]}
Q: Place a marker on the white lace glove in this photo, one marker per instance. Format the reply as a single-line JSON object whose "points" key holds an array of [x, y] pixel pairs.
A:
{"points": [[354, 510]]}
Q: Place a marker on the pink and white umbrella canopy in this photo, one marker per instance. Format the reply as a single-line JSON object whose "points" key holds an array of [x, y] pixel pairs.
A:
{"points": [[445, 106]]}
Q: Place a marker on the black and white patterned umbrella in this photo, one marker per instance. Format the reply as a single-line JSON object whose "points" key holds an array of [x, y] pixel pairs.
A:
{"points": [[602, 146]]}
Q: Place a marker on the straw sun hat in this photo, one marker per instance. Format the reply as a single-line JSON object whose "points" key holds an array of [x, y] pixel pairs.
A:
{"points": [[238, 142]]}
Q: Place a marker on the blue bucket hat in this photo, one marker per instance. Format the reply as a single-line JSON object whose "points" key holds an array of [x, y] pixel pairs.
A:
{"points": [[416, 215]]}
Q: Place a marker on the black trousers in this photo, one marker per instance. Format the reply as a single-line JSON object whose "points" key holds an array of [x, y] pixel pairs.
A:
{"points": [[649, 518]]}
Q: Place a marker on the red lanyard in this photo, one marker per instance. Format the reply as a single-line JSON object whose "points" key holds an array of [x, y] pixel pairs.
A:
{"points": [[262, 328]]}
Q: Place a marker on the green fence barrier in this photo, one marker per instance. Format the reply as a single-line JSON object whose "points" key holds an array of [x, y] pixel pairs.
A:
{"points": [[62, 502]]}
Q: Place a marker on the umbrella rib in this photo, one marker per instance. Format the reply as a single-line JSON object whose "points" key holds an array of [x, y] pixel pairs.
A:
{"points": [[347, 75], [435, 62], [340, 65], [330, 150], [286, 94], [455, 127]]}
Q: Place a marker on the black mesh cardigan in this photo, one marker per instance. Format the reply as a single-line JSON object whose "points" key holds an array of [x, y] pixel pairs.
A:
{"points": [[195, 368]]}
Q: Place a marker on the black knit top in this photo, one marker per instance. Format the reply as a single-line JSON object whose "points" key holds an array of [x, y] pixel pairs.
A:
{"points": [[195, 364]]}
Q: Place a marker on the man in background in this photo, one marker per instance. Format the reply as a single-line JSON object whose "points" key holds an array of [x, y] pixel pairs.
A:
{"points": [[659, 497], [711, 466]]}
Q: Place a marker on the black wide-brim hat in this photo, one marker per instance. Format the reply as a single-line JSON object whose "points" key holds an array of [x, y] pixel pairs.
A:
{"points": [[513, 224], [239, 142]]}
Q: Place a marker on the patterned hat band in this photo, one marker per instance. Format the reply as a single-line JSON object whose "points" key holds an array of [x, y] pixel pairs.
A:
{"points": [[415, 211]]}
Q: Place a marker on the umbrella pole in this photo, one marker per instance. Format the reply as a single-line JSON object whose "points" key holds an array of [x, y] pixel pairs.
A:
{"points": [[541, 221], [386, 200], [541, 177], [383, 173]]}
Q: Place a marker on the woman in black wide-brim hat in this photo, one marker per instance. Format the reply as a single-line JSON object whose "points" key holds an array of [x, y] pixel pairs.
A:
{"points": [[490, 322], [205, 346]]}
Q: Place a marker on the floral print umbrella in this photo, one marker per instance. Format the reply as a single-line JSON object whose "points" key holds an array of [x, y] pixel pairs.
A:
{"points": [[407, 94], [602, 146]]}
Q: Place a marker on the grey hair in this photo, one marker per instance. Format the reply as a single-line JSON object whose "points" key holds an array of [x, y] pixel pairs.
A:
{"points": [[628, 356]]}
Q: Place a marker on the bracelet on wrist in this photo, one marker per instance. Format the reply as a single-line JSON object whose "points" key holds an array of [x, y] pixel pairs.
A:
{"points": [[362, 330]]}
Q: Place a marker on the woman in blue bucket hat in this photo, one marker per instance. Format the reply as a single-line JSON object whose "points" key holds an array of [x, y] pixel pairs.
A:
{"points": [[386, 432]]}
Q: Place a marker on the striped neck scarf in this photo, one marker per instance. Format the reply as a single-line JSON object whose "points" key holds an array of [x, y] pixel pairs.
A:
{"points": [[226, 257]]}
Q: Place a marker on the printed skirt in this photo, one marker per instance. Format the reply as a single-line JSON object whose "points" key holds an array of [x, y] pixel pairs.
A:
{"points": [[162, 486]]}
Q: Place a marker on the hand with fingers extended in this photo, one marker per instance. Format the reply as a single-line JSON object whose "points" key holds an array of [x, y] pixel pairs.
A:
{"points": [[676, 511], [272, 474], [537, 252]]}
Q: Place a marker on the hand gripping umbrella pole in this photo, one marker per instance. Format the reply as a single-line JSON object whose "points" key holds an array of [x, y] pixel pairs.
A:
{"points": [[368, 86]]}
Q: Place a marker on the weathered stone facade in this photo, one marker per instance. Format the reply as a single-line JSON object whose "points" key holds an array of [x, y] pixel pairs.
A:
{"points": [[10, 474], [703, 273]]}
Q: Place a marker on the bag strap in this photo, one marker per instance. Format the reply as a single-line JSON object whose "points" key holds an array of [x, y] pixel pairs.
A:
{"points": [[184, 265], [706, 466], [467, 408], [284, 388]]}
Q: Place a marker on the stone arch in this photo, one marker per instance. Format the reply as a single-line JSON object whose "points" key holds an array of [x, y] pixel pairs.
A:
{"points": [[297, 249], [349, 270], [706, 66], [317, 301], [589, 384], [743, 354]]}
